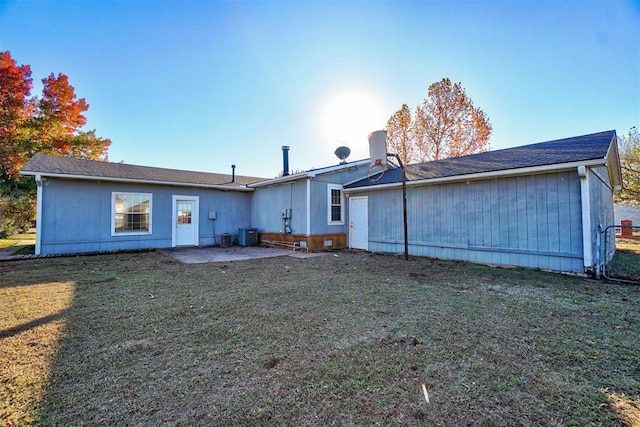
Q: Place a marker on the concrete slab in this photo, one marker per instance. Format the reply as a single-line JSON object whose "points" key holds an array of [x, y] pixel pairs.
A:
{"points": [[233, 253]]}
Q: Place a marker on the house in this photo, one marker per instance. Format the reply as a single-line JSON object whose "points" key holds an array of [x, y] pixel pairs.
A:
{"points": [[533, 206], [91, 206]]}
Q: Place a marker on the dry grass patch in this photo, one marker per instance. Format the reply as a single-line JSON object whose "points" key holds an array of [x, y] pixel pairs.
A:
{"points": [[333, 340], [32, 322]]}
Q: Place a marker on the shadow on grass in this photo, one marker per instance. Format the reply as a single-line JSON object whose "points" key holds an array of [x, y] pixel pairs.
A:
{"points": [[346, 340], [30, 325]]}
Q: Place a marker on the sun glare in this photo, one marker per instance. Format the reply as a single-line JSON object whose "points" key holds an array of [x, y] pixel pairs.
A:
{"points": [[348, 118]]}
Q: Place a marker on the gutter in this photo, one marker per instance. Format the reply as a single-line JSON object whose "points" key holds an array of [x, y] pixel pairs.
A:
{"points": [[242, 188]]}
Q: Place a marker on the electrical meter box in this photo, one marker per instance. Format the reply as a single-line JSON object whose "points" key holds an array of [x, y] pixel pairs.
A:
{"points": [[286, 213]]}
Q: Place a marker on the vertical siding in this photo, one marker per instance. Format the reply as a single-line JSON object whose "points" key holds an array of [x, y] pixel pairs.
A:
{"points": [[320, 199], [267, 204], [531, 221], [602, 210], [77, 216]]}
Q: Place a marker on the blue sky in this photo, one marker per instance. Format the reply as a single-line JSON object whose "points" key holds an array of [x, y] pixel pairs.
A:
{"points": [[201, 85]]}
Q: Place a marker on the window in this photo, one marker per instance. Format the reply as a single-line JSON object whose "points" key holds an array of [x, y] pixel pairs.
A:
{"points": [[335, 204], [131, 213]]}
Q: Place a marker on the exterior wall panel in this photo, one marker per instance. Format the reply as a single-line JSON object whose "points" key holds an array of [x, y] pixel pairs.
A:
{"points": [[267, 204], [77, 216], [602, 209], [530, 221]]}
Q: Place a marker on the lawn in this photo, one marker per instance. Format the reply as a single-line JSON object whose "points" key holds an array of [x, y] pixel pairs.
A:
{"points": [[349, 338], [21, 243]]}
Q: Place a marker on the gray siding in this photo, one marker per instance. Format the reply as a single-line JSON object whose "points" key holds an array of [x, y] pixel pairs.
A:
{"points": [[320, 198], [267, 204], [601, 196], [530, 221], [77, 216]]}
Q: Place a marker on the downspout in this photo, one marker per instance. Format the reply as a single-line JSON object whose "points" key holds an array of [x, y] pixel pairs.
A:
{"points": [[585, 196], [39, 183], [598, 246], [308, 206]]}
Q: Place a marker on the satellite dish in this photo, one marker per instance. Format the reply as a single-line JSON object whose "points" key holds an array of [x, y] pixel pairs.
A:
{"points": [[342, 153]]}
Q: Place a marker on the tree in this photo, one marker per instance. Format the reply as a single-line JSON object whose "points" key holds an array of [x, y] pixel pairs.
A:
{"points": [[629, 146], [51, 125], [15, 109], [400, 136], [447, 124]]}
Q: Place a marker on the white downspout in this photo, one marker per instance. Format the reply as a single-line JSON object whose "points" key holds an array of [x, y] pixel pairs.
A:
{"points": [[39, 183], [308, 206], [585, 196]]}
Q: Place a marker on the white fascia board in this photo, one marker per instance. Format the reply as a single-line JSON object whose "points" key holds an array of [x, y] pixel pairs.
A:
{"points": [[279, 180], [613, 163], [534, 170], [136, 181], [337, 167], [305, 175]]}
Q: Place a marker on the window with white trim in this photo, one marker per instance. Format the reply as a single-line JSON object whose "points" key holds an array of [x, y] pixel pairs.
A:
{"points": [[335, 203], [130, 213]]}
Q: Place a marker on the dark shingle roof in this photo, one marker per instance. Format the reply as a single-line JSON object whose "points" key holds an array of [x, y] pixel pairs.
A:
{"points": [[56, 165], [568, 150]]}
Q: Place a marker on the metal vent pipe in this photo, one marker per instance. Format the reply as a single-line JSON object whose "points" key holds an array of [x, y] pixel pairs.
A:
{"points": [[285, 160]]}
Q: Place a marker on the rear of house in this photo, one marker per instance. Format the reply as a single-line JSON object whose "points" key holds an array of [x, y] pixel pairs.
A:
{"points": [[88, 206], [535, 206]]}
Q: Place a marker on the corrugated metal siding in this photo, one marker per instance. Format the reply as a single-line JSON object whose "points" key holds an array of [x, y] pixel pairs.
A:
{"points": [[77, 216], [531, 221]]}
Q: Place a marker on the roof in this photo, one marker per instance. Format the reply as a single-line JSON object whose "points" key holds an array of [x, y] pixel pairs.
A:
{"points": [[311, 173], [557, 152], [47, 165]]}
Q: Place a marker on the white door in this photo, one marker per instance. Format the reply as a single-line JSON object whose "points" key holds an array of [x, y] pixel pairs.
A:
{"points": [[358, 223], [185, 221]]}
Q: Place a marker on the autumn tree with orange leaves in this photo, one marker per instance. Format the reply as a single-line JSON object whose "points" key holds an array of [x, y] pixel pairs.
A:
{"points": [[50, 124], [446, 124], [29, 125], [400, 135]]}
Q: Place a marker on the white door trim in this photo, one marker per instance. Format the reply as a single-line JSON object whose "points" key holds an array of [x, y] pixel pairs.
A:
{"points": [[362, 224], [195, 217]]}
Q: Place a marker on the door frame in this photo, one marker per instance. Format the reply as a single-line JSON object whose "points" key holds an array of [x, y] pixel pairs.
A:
{"points": [[366, 221], [195, 217]]}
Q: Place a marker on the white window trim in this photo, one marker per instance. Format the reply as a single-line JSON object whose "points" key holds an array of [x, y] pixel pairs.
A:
{"points": [[113, 214], [335, 187]]}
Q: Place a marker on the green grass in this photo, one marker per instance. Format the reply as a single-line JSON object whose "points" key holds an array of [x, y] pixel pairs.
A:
{"points": [[626, 261], [22, 243], [335, 340]]}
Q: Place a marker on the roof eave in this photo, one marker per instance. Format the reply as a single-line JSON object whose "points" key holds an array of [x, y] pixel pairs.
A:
{"points": [[534, 170], [307, 174], [242, 188]]}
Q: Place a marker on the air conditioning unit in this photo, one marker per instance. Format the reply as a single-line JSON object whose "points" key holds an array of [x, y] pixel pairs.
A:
{"points": [[248, 237]]}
